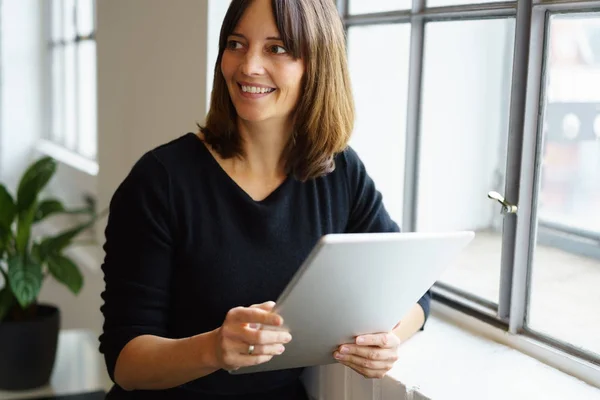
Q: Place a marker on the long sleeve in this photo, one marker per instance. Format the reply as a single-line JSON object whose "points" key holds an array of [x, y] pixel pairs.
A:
{"points": [[367, 212], [138, 259]]}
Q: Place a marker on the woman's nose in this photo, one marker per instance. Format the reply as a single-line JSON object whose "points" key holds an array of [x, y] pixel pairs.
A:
{"points": [[252, 63]]}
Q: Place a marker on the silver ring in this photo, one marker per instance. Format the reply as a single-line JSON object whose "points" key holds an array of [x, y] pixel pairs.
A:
{"points": [[250, 349]]}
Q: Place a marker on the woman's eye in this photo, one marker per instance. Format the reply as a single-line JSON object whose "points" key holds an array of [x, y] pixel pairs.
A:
{"points": [[276, 49], [233, 45]]}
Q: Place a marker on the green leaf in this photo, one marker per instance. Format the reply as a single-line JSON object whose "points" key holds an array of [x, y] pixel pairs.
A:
{"points": [[33, 181], [8, 209], [56, 244], [47, 208], [66, 272], [36, 255], [25, 278], [6, 302], [24, 230]]}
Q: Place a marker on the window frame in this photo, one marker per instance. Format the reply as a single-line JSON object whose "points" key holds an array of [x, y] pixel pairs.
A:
{"points": [[47, 144], [524, 146]]}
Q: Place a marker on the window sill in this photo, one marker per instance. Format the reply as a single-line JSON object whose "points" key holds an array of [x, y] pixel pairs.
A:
{"points": [[460, 357], [67, 157]]}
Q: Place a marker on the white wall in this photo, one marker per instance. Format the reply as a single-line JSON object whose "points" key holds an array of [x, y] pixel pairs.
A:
{"points": [[151, 80]]}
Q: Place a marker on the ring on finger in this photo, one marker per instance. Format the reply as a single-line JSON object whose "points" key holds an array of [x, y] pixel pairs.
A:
{"points": [[250, 349]]}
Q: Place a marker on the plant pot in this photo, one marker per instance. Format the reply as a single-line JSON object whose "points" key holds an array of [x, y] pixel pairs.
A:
{"points": [[28, 349]]}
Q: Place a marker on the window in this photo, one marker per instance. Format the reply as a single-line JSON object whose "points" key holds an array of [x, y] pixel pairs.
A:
{"points": [[566, 263], [469, 97], [381, 122], [73, 77], [374, 6]]}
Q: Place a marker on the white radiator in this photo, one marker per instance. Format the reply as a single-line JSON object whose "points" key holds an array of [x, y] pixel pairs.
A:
{"points": [[336, 382]]}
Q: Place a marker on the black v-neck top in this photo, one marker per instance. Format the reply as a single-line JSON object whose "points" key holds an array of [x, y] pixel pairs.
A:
{"points": [[185, 244]]}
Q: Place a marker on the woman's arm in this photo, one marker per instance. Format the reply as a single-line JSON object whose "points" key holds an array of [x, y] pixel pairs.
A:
{"points": [[410, 324], [150, 362]]}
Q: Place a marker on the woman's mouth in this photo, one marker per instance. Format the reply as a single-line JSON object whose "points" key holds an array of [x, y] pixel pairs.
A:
{"points": [[254, 92]]}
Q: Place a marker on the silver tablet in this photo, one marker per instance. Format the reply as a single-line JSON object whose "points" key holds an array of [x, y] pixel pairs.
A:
{"points": [[354, 284]]}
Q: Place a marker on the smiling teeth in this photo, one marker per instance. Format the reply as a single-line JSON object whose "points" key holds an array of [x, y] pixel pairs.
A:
{"points": [[254, 89]]}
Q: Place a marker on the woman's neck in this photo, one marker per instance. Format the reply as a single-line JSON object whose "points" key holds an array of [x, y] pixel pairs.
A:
{"points": [[264, 145]]}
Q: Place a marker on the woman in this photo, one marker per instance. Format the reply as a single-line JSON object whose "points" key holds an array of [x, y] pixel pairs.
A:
{"points": [[206, 230]]}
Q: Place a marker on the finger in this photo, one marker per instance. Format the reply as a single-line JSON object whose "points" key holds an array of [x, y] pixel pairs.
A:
{"points": [[260, 349], [370, 352], [239, 361], [363, 363], [267, 306], [265, 336], [235, 355], [254, 315], [383, 340], [245, 334]]}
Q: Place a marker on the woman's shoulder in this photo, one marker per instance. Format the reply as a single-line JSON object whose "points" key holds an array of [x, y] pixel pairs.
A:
{"points": [[348, 162], [175, 158], [179, 152]]}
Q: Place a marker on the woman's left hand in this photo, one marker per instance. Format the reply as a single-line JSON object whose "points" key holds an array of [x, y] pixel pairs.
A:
{"points": [[372, 356]]}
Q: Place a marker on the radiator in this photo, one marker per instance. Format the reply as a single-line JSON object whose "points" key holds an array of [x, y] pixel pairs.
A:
{"points": [[337, 382]]}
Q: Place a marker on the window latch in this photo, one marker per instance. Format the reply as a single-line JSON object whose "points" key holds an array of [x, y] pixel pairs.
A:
{"points": [[507, 208]]}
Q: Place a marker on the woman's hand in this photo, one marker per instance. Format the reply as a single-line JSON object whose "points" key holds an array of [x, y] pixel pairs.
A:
{"points": [[250, 336], [372, 356]]}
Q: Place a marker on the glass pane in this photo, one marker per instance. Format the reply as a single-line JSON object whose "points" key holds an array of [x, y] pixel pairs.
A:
{"points": [[58, 93], [464, 130], [87, 98], [57, 20], [442, 3], [380, 99], [68, 19], [373, 6], [70, 101], [565, 299], [85, 17]]}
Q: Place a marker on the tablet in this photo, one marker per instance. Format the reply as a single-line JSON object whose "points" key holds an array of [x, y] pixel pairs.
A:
{"points": [[355, 284]]}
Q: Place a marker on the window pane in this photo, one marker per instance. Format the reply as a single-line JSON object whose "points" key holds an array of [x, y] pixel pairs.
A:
{"points": [[68, 19], [464, 130], [87, 98], [565, 298], [70, 101], [85, 17], [373, 6], [380, 84], [441, 3], [58, 95], [57, 20]]}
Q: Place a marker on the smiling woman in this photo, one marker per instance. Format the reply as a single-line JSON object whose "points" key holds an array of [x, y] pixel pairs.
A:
{"points": [[297, 49], [208, 229], [256, 65]]}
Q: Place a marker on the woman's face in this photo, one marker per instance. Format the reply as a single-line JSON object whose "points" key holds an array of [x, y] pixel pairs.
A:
{"points": [[263, 80]]}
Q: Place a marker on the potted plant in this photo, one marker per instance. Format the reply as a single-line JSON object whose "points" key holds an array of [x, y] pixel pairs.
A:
{"points": [[28, 329]]}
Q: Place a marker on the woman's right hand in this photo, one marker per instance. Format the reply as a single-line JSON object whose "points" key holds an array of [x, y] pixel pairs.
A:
{"points": [[256, 326]]}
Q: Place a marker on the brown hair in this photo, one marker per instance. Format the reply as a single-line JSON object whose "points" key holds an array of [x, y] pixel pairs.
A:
{"points": [[324, 116]]}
